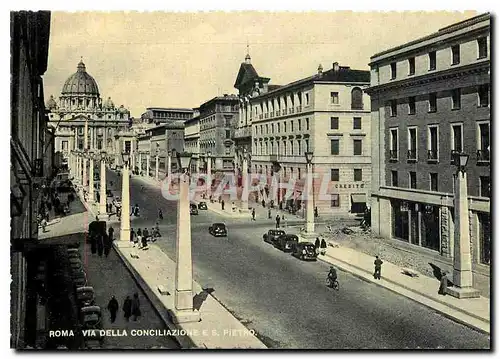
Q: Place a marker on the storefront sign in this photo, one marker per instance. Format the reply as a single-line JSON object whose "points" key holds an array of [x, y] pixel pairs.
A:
{"points": [[349, 185]]}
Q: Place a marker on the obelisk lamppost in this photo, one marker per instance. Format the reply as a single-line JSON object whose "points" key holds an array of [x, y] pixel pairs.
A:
{"points": [[125, 217], [102, 188], [310, 197], [148, 164], [91, 177], [244, 182], [462, 260], [183, 299], [209, 173], [156, 165], [140, 163], [169, 163]]}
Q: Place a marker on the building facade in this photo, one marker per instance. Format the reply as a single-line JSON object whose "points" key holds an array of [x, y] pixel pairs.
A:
{"points": [[32, 153], [430, 100], [80, 106], [192, 142], [327, 114], [159, 115], [217, 121]]}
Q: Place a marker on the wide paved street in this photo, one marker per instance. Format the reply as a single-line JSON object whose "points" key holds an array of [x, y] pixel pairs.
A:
{"points": [[286, 300]]}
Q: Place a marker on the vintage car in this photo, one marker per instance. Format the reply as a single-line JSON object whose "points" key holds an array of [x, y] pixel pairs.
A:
{"points": [[272, 235], [193, 209], [286, 242], [79, 278], [85, 296], [305, 251], [91, 318], [218, 230], [202, 205]]}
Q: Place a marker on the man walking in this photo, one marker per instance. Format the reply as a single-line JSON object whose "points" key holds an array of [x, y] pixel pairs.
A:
{"points": [[269, 213], [378, 267], [127, 308], [278, 219], [111, 232], [113, 308], [253, 214], [136, 307], [132, 235]]}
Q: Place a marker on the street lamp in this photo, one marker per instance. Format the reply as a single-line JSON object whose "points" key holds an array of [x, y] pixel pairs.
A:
{"points": [[169, 163], [184, 266], [125, 215], [244, 182], [157, 160], [310, 197], [91, 156], [209, 173], [462, 259], [102, 187]]}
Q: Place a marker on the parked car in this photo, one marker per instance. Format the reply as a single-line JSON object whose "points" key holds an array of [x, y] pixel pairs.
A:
{"points": [[305, 251], [193, 209], [91, 318], [286, 242], [218, 230], [85, 296], [202, 205], [272, 235]]}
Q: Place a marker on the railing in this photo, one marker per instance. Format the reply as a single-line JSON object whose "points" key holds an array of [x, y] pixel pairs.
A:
{"points": [[299, 109], [291, 110], [393, 155], [412, 155], [432, 155], [483, 156], [283, 112], [266, 115], [260, 117], [277, 113]]}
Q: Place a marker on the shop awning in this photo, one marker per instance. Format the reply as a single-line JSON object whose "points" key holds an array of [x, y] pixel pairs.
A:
{"points": [[358, 198]]}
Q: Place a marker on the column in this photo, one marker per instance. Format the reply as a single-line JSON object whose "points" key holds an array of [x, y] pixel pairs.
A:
{"points": [[169, 165], [156, 167], [91, 181], [245, 185], [310, 201], [140, 162], [148, 159], [209, 175], [125, 217], [462, 259], [76, 139], [84, 176], [103, 195], [86, 136], [183, 299]]}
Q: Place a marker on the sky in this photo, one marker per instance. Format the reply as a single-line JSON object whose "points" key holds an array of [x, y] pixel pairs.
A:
{"points": [[173, 59]]}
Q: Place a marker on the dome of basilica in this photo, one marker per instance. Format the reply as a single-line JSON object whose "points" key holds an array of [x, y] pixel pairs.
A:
{"points": [[80, 83]]}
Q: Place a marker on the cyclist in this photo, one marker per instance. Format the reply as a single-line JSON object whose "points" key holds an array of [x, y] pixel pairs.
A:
{"points": [[332, 275]]}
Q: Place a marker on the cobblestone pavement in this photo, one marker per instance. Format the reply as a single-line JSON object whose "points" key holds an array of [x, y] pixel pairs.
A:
{"points": [[399, 253]]}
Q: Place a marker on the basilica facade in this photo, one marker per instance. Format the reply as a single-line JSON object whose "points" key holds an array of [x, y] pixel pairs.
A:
{"points": [[81, 109]]}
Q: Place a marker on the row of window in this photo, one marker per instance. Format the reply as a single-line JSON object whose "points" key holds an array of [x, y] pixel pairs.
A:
{"points": [[183, 116], [433, 140], [282, 148], [356, 123], [482, 52], [269, 128], [357, 146], [433, 185], [483, 100], [335, 175]]}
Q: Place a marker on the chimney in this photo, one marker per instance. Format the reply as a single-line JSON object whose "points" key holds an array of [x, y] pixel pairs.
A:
{"points": [[335, 66], [320, 70]]}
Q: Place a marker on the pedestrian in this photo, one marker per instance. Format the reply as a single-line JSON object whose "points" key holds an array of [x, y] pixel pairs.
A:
{"points": [[113, 308], [443, 283], [127, 308], [138, 237], [263, 203], [253, 214], [316, 212], [98, 196], [278, 219], [135, 307], [108, 243], [378, 267], [316, 244], [145, 236], [322, 246], [281, 205], [100, 243], [269, 213], [160, 214], [222, 204], [111, 232], [132, 235]]}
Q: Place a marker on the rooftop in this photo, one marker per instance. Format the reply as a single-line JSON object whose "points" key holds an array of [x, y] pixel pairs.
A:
{"points": [[169, 109]]}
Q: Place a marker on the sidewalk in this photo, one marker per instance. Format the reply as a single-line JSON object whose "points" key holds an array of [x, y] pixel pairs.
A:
{"points": [[218, 328], [474, 312]]}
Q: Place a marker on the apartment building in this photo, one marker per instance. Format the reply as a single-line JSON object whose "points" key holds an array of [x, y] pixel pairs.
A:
{"points": [[192, 142], [430, 99], [159, 115], [328, 114]]}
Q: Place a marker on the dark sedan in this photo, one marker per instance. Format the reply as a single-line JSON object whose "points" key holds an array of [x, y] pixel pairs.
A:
{"points": [[272, 235], [218, 230], [305, 251], [202, 205], [193, 209], [286, 242]]}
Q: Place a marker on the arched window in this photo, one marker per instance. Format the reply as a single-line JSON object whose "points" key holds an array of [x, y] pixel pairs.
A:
{"points": [[356, 99]]}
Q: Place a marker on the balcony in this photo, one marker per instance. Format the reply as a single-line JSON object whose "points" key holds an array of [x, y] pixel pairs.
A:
{"points": [[483, 156], [277, 113], [291, 110], [283, 112], [412, 156], [266, 115], [243, 132], [299, 109], [432, 156], [393, 155], [260, 117]]}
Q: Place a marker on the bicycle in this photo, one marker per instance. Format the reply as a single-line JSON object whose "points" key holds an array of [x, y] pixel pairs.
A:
{"points": [[334, 284]]}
